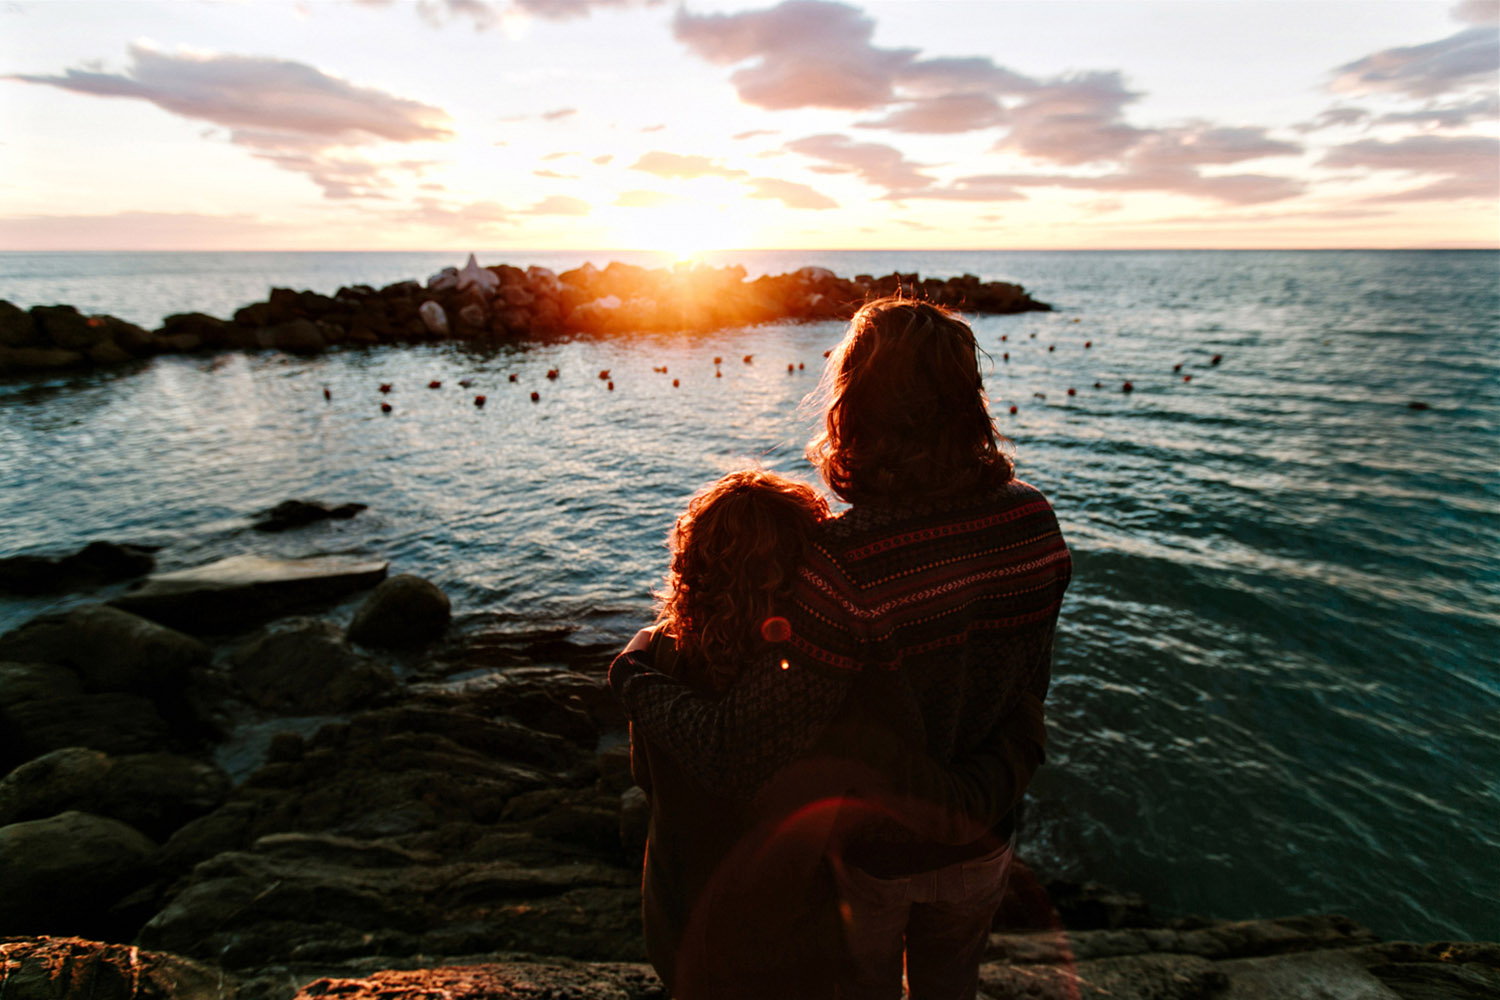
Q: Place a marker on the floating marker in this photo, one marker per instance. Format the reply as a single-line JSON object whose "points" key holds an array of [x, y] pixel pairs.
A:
{"points": [[674, 383], [1127, 387], [748, 358], [789, 368], [326, 393], [1075, 319], [512, 376], [478, 400], [826, 353], [1098, 385], [1187, 378], [535, 396], [1013, 409], [385, 407], [385, 387], [1051, 347], [718, 361], [801, 366], [552, 374], [610, 386], [1072, 392], [1087, 344], [1005, 336], [1005, 356], [1177, 367], [604, 375], [718, 374], [1216, 359], [465, 382], [661, 371], [434, 384]]}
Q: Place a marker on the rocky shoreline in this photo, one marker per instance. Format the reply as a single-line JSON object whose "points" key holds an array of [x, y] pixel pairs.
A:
{"points": [[482, 305], [410, 813]]}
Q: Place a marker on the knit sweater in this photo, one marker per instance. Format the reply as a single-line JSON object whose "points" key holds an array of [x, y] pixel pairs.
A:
{"points": [[935, 618]]}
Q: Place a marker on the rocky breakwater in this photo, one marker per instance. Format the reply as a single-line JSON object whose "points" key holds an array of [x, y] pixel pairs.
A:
{"points": [[484, 304]]}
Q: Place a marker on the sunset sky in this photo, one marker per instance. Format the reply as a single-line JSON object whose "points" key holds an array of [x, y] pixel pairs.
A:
{"points": [[563, 124]]}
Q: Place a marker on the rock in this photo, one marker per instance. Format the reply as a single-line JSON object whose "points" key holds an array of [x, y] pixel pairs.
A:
{"points": [[64, 779], [243, 591], [434, 318], [59, 874], [1134, 977], [474, 276], [180, 343], [297, 336], [111, 649], [404, 610], [134, 340], [95, 563], [66, 328], [295, 513], [108, 353], [635, 822], [58, 968], [24, 359], [189, 331], [575, 706], [113, 723], [17, 328], [27, 681], [305, 665], [553, 979]]}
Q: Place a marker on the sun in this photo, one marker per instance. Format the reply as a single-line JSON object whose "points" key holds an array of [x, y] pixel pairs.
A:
{"points": [[683, 232]]}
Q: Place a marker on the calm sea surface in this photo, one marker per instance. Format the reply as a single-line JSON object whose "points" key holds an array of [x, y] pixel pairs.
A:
{"points": [[1276, 685]]}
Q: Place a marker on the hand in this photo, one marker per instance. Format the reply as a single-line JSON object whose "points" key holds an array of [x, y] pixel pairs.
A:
{"points": [[641, 641]]}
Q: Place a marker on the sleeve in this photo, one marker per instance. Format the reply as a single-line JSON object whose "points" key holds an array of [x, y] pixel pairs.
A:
{"points": [[769, 718], [955, 804]]}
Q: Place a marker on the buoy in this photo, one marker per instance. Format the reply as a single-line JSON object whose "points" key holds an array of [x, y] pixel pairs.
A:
{"points": [[1216, 359], [535, 396], [1072, 392], [718, 374], [512, 376], [1040, 395], [801, 366], [465, 382], [1087, 344], [1005, 336], [674, 383], [610, 386], [1187, 378], [827, 353], [1005, 356], [1098, 385], [662, 370], [1075, 319], [604, 375], [1051, 347], [1417, 404], [326, 393], [552, 374], [1033, 336], [385, 387], [1177, 367], [478, 400], [1127, 387], [748, 358], [434, 384], [1013, 409], [385, 407], [789, 368], [718, 360]]}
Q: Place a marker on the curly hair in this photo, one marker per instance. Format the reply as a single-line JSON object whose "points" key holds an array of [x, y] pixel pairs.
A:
{"points": [[735, 551], [906, 413]]}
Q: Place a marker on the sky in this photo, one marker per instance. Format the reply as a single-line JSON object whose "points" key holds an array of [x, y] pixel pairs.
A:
{"points": [[707, 125]]}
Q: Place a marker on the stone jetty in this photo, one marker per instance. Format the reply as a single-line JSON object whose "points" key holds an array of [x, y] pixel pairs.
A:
{"points": [[485, 305]]}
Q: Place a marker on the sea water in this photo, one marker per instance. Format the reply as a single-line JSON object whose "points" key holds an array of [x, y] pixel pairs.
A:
{"points": [[1275, 686]]}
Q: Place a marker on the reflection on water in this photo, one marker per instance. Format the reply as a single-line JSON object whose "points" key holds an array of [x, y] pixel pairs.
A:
{"points": [[1276, 671]]}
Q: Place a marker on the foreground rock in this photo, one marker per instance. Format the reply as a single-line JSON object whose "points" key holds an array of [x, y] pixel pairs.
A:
{"points": [[65, 968], [111, 649], [489, 304], [243, 591], [61, 874], [291, 514], [95, 564], [403, 611], [304, 665]]}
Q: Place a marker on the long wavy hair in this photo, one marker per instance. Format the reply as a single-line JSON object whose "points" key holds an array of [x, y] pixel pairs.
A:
{"points": [[735, 551], [905, 412]]}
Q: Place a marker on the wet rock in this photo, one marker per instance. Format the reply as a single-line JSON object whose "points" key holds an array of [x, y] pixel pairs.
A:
{"points": [[96, 563], [26, 359], [305, 665], [576, 706], [1135, 977], [434, 319], [296, 336], [113, 723], [60, 968], [112, 650], [549, 980], [155, 793], [190, 331], [295, 513], [313, 897], [108, 353], [27, 681], [17, 328], [66, 328], [58, 874], [402, 611], [242, 591]]}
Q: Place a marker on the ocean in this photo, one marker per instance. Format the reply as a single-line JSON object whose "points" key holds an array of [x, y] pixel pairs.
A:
{"points": [[1275, 685]]}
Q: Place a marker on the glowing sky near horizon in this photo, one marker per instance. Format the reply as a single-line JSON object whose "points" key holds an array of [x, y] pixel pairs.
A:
{"points": [[601, 124]]}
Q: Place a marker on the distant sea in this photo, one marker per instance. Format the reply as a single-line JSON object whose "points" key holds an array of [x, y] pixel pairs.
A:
{"points": [[1277, 682]]}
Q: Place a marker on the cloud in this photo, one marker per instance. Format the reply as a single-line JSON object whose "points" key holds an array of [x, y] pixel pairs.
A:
{"points": [[653, 128], [1236, 189], [789, 193], [260, 93], [559, 204], [1477, 12], [801, 54], [567, 10], [1482, 109], [557, 156], [873, 162], [1203, 143], [739, 136], [1469, 58], [486, 14], [680, 167], [558, 113], [944, 114], [1467, 166], [139, 231], [1073, 120], [976, 188], [644, 199], [554, 175], [603, 159], [1336, 117]]}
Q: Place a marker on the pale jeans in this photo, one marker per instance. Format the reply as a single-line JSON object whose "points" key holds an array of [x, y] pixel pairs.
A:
{"points": [[940, 919]]}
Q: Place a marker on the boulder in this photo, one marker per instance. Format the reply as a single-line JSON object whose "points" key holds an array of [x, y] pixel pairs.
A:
{"points": [[95, 563], [243, 591], [434, 319], [68, 329], [305, 665], [25, 359], [532, 980], [297, 336], [111, 649], [60, 874], [189, 331], [108, 353], [60, 968], [113, 723], [575, 706], [295, 513], [404, 610], [155, 793], [28, 681], [17, 328]]}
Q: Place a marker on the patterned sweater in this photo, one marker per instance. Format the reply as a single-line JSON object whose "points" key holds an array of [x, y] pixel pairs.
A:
{"points": [[934, 618]]}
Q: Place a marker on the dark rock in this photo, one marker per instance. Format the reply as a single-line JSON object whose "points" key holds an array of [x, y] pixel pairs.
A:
{"points": [[58, 968], [295, 513], [112, 650], [553, 979], [243, 591], [114, 723], [66, 328], [181, 343], [94, 564], [1135, 977], [404, 610], [155, 793], [108, 353], [17, 329], [59, 874], [189, 331], [306, 665], [134, 340], [296, 336], [26, 359], [27, 681]]}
